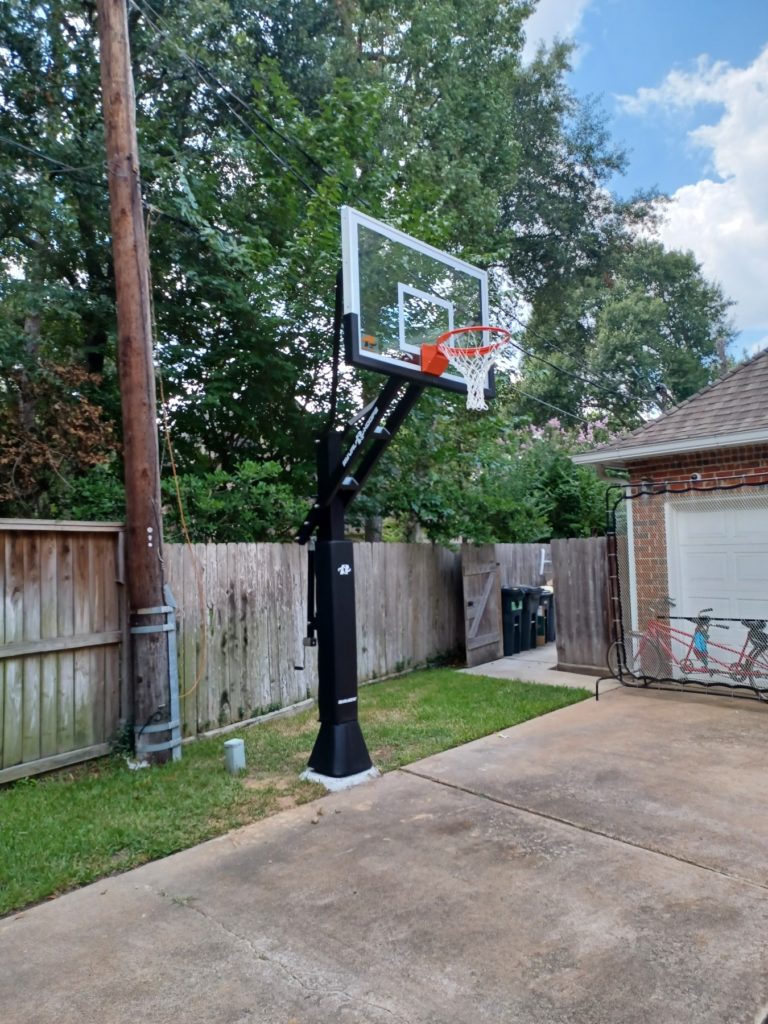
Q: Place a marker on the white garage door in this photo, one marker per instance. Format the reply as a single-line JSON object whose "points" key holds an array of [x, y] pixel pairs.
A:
{"points": [[717, 554]]}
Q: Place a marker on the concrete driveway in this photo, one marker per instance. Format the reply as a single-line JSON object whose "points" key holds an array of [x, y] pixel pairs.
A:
{"points": [[605, 864]]}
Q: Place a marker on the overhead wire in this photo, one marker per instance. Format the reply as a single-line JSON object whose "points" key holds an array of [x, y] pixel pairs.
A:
{"points": [[288, 139], [209, 82], [63, 168], [549, 405], [562, 370]]}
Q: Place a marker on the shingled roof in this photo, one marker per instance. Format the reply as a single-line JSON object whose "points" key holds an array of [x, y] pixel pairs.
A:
{"points": [[731, 412]]}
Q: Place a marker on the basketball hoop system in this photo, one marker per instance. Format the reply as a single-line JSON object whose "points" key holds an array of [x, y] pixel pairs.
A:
{"points": [[473, 362]]}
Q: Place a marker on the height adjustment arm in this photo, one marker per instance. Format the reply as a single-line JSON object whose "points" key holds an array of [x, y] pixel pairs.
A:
{"points": [[345, 481]]}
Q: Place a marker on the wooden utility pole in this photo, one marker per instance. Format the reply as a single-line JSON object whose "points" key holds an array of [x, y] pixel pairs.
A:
{"points": [[144, 535]]}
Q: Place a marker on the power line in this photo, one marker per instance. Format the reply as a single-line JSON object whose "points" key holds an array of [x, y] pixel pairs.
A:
{"points": [[554, 366], [554, 408], [202, 68], [570, 373], [63, 168], [200, 71]]}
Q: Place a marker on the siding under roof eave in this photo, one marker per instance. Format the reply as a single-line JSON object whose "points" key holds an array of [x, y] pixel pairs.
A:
{"points": [[619, 456]]}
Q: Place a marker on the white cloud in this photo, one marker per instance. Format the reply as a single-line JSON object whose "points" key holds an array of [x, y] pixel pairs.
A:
{"points": [[723, 218], [553, 19]]}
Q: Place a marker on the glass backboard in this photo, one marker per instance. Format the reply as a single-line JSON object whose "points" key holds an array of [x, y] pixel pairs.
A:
{"points": [[400, 293]]}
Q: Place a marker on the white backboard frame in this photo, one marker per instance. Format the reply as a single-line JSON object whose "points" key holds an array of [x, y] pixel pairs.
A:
{"points": [[356, 354]]}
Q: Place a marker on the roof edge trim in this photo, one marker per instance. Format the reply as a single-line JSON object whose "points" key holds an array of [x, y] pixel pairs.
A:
{"points": [[687, 444]]}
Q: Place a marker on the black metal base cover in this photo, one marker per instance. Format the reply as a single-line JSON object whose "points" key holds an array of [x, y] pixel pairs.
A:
{"points": [[340, 750]]}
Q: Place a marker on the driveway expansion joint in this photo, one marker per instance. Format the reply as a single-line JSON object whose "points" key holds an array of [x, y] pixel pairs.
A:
{"points": [[309, 986], [763, 887]]}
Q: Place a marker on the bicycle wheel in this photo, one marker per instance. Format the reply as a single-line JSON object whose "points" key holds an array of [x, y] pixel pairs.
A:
{"points": [[615, 659], [653, 663], [624, 655]]}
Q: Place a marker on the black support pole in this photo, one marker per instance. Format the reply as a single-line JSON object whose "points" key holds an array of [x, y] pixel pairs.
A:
{"points": [[345, 460], [339, 749]]}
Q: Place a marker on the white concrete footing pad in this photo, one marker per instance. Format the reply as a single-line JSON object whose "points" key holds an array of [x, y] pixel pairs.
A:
{"points": [[335, 785]]}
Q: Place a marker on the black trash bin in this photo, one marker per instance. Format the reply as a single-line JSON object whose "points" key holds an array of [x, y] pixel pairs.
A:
{"points": [[531, 596], [547, 602], [512, 619]]}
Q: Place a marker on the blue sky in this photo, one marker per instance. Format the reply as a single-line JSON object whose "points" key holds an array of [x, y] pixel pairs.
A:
{"points": [[685, 86]]}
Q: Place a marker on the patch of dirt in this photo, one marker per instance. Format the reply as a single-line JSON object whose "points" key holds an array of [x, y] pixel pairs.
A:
{"points": [[285, 803], [278, 782]]}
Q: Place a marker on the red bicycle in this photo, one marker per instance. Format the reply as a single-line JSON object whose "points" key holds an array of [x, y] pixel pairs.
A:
{"points": [[662, 647]]}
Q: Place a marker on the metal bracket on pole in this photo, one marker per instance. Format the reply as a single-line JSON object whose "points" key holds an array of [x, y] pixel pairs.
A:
{"points": [[173, 725]]}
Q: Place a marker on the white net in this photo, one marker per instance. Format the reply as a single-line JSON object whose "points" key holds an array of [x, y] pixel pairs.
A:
{"points": [[474, 363]]}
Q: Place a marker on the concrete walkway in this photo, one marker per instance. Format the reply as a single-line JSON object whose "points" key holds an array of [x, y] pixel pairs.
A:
{"points": [[604, 864], [539, 666]]}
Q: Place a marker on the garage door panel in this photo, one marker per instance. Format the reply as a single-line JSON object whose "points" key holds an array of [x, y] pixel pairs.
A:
{"points": [[705, 525], [703, 569], [751, 566], [748, 524]]}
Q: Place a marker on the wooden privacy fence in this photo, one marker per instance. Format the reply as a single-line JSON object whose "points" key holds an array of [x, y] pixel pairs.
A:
{"points": [[241, 623], [580, 572], [62, 619], [408, 609]]}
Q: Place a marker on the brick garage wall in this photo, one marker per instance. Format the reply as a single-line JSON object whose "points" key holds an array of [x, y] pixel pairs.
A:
{"points": [[726, 465]]}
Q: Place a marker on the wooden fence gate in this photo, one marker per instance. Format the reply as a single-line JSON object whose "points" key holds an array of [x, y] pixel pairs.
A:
{"points": [[580, 570], [62, 618], [482, 604]]}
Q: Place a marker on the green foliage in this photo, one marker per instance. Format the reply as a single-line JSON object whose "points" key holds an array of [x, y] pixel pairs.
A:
{"points": [[574, 496], [255, 124], [252, 503], [638, 338], [249, 504], [486, 477]]}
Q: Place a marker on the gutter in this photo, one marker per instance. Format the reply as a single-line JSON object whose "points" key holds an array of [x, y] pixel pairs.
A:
{"points": [[617, 457]]}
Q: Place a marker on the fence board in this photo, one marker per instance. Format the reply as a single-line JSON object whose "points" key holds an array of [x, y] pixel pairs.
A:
{"points": [[111, 654], [2, 641], [520, 564], [580, 571], [82, 696], [48, 631], [14, 630], [30, 735], [65, 625]]}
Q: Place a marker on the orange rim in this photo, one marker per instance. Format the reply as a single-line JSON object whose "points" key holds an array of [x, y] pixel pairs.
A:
{"points": [[470, 350]]}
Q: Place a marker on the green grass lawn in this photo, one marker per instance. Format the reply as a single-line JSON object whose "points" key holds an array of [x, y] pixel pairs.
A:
{"points": [[71, 827]]}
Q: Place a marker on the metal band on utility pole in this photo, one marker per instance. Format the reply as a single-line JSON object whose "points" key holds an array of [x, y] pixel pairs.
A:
{"points": [[144, 534]]}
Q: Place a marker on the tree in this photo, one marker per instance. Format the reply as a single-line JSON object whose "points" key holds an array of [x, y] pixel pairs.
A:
{"points": [[637, 339], [485, 478], [255, 124]]}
